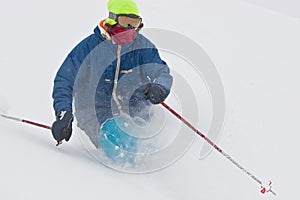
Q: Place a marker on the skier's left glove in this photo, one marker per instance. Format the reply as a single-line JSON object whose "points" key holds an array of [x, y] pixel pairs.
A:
{"points": [[62, 127], [156, 94]]}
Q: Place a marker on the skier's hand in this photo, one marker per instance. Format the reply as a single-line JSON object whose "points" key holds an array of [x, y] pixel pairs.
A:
{"points": [[156, 94], [62, 127]]}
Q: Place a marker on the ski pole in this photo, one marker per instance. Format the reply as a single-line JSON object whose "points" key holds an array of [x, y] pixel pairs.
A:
{"points": [[30, 122], [263, 188], [26, 121]]}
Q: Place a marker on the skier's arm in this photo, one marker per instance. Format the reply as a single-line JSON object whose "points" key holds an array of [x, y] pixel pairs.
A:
{"points": [[63, 85], [157, 71], [65, 78]]}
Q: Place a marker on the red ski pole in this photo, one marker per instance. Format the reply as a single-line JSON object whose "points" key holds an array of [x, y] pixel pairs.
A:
{"points": [[263, 190], [26, 121], [31, 123]]}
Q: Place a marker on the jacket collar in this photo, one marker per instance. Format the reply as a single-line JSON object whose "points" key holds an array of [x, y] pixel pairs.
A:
{"points": [[98, 33]]}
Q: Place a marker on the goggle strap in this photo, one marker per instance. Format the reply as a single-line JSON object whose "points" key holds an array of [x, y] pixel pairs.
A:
{"points": [[113, 16]]}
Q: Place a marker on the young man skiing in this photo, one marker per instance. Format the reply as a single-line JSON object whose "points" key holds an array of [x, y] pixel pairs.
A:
{"points": [[113, 75]]}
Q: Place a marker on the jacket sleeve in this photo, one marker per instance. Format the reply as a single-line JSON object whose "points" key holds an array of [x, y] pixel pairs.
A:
{"points": [[156, 70], [65, 78], [63, 85]]}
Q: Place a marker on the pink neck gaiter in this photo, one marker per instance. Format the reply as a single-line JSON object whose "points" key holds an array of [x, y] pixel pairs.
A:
{"points": [[122, 36]]}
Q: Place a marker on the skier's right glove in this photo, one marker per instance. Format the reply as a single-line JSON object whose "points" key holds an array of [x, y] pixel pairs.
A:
{"points": [[62, 127]]}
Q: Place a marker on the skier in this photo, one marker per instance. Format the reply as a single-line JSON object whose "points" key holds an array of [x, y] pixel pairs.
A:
{"points": [[114, 72]]}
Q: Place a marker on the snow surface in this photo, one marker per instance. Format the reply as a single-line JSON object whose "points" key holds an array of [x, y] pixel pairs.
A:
{"points": [[256, 51]]}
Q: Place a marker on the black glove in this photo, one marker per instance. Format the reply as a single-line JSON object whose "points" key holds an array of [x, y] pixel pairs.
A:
{"points": [[62, 127], [155, 94]]}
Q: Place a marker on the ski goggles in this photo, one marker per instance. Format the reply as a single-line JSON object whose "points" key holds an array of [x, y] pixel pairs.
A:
{"points": [[127, 20]]}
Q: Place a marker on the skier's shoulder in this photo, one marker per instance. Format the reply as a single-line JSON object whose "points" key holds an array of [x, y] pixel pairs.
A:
{"points": [[143, 42], [86, 45]]}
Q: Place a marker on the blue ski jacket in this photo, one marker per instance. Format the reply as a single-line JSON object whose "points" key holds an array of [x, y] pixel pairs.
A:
{"points": [[88, 76]]}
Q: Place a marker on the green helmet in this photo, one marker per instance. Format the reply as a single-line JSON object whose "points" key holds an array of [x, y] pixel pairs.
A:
{"points": [[121, 7]]}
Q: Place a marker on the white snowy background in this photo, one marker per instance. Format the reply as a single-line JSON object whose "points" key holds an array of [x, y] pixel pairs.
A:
{"points": [[255, 46]]}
